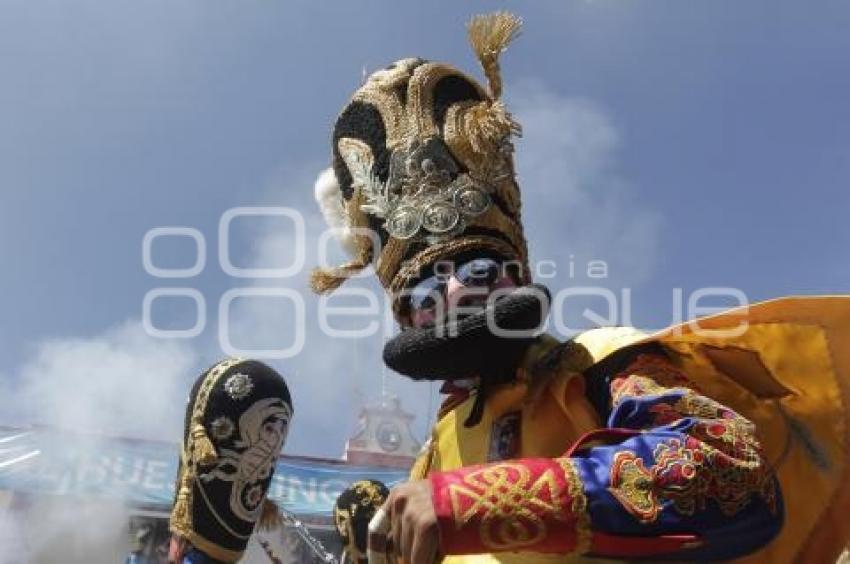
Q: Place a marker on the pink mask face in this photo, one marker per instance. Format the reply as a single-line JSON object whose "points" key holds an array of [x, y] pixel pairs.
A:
{"points": [[469, 286]]}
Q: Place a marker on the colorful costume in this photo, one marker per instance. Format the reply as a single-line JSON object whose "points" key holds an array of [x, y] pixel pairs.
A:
{"points": [[664, 471], [236, 423], [615, 444]]}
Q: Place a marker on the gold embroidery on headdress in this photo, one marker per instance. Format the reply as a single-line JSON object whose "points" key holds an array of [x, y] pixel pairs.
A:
{"points": [[326, 280], [441, 173]]}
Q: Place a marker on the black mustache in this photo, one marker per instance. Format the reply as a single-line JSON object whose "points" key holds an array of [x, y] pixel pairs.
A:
{"points": [[465, 348]]}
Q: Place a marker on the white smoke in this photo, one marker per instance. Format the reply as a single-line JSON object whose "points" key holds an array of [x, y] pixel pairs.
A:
{"points": [[119, 383], [53, 530], [12, 538]]}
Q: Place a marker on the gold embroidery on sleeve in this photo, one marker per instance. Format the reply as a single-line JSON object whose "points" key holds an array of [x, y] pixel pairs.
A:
{"points": [[578, 505], [510, 506], [513, 506]]}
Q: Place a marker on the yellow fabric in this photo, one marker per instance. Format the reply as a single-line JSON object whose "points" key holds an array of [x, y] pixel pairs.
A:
{"points": [[599, 343], [788, 371], [785, 365]]}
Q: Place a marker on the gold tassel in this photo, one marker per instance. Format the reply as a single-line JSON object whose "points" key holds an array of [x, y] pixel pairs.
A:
{"points": [[270, 517], [486, 124], [180, 518], [203, 451], [325, 281], [180, 511], [489, 35]]}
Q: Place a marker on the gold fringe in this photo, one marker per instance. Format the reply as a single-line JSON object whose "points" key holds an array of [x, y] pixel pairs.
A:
{"points": [[181, 520], [270, 517], [489, 35], [325, 281], [488, 123], [180, 511], [203, 451]]}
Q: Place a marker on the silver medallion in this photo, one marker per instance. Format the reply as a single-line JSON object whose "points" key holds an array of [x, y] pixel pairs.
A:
{"points": [[426, 195], [440, 217], [238, 386], [471, 201], [404, 222]]}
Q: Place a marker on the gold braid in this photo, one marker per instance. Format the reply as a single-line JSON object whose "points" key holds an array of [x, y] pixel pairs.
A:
{"points": [[198, 448]]}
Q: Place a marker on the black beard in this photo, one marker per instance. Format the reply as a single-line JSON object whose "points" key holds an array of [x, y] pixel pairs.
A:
{"points": [[467, 348]]}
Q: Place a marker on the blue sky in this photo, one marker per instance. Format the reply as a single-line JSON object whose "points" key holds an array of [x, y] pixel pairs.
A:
{"points": [[688, 144]]}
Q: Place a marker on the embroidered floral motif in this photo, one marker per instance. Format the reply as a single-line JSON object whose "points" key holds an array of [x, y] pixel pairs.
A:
{"points": [[254, 495], [510, 503], [631, 484], [719, 459], [222, 428], [262, 432], [689, 473], [238, 386], [649, 375]]}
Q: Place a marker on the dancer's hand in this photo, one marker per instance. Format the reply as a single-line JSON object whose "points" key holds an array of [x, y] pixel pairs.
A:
{"points": [[413, 529]]}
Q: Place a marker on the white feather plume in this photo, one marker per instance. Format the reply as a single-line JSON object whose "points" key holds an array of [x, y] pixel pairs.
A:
{"points": [[329, 198]]}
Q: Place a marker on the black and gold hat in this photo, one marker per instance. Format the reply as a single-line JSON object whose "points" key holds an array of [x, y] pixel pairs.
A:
{"points": [[353, 510], [236, 424], [423, 159]]}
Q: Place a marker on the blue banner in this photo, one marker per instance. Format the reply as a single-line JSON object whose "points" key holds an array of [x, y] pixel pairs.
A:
{"points": [[141, 473]]}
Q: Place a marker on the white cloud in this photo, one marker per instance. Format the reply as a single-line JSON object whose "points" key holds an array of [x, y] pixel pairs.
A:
{"points": [[577, 207]]}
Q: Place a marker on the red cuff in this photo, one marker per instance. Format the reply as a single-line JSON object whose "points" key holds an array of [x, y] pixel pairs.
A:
{"points": [[535, 505]]}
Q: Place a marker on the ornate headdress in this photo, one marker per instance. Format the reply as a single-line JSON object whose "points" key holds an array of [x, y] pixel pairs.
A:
{"points": [[423, 158], [236, 423], [353, 510]]}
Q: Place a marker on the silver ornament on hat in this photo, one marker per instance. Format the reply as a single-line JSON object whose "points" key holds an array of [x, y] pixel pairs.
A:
{"points": [[238, 386], [426, 196]]}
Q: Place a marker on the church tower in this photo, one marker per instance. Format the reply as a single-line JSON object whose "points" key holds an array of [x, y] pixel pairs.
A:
{"points": [[384, 438]]}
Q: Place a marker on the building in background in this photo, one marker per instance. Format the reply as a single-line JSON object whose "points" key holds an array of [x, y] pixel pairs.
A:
{"points": [[385, 438]]}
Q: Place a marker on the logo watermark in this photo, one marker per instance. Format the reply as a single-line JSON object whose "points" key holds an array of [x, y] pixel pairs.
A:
{"points": [[358, 313]]}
